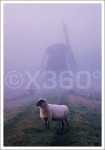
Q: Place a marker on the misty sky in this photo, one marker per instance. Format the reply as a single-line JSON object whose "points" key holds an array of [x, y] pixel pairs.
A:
{"points": [[30, 28]]}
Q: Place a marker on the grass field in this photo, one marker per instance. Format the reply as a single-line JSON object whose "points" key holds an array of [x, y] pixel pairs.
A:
{"points": [[23, 126]]}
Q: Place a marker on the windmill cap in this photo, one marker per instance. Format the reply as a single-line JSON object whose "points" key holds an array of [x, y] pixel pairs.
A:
{"points": [[57, 49]]}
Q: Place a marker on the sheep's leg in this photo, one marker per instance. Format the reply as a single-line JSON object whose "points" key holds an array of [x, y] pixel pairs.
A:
{"points": [[46, 123], [62, 127], [67, 122]]}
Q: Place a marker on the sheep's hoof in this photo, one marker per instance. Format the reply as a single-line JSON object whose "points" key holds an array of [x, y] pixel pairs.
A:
{"points": [[46, 128], [62, 129], [62, 132], [67, 129]]}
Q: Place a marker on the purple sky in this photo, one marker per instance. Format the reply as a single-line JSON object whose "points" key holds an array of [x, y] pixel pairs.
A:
{"points": [[30, 28]]}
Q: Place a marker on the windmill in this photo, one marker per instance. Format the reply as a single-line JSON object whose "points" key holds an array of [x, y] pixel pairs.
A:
{"points": [[59, 57]]}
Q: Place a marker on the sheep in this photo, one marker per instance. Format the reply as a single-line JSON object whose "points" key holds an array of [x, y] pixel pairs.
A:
{"points": [[53, 112]]}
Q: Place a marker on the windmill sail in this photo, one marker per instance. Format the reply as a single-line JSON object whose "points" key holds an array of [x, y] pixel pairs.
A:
{"points": [[70, 56]]}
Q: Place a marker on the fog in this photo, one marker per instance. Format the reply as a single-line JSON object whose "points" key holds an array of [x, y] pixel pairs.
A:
{"points": [[29, 29]]}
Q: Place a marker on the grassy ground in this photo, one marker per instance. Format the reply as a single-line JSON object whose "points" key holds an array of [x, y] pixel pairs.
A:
{"points": [[25, 128]]}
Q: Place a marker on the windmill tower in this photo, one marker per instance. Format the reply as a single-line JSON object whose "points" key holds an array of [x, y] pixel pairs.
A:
{"points": [[59, 57]]}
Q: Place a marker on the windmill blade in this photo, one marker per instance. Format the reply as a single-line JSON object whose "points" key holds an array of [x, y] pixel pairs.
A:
{"points": [[69, 50], [43, 60]]}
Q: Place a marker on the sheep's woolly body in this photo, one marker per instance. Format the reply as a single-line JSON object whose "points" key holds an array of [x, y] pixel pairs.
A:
{"points": [[54, 112]]}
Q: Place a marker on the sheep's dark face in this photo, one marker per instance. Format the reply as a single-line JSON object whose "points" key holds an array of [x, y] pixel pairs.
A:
{"points": [[41, 102]]}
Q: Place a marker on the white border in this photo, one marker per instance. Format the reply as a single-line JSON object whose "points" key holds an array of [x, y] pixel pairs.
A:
{"points": [[103, 75], [2, 79], [2, 85]]}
